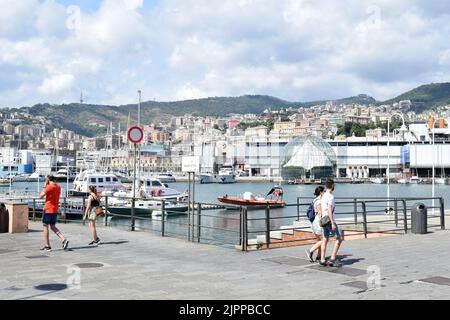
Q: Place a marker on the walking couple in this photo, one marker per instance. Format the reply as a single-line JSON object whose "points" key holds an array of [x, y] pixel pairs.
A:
{"points": [[51, 194], [324, 226]]}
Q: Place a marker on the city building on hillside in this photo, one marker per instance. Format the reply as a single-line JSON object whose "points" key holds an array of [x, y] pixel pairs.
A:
{"points": [[375, 133], [358, 119], [260, 131], [233, 123]]}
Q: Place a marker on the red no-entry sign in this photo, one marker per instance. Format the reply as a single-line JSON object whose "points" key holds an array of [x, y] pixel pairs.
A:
{"points": [[135, 135]]}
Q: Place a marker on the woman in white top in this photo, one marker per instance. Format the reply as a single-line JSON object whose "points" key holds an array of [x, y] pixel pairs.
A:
{"points": [[316, 228]]}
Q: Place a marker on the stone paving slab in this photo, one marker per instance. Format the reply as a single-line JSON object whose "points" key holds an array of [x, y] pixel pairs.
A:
{"points": [[142, 265]]}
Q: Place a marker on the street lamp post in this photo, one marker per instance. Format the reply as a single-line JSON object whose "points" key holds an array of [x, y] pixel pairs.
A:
{"points": [[388, 171], [10, 178], [139, 107], [432, 164]]}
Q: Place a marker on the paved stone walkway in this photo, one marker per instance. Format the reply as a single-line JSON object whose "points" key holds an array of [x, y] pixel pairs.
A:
{"points": [[145, 266]]}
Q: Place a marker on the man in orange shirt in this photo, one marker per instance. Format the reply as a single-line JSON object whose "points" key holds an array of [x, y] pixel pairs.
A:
{"points": [[51, 193]]}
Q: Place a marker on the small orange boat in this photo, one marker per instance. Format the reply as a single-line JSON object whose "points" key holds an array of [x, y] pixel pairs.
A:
{"points": [[249, 200]]}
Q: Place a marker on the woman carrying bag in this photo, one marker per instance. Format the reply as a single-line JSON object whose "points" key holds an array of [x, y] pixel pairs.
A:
{"points": [[93, 210]]}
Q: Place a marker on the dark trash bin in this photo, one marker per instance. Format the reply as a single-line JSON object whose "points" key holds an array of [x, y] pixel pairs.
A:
{"points": [[4, 219], [419, 215]]}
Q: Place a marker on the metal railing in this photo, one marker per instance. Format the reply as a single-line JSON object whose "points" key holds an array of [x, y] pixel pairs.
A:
{"points": [[248, 227], [357, 216]]}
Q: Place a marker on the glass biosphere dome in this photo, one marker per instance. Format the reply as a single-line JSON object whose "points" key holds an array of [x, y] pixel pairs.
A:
{"points": [[308, 157]]}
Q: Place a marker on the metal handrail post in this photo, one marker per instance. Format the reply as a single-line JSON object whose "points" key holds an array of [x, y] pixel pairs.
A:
{"points": [[268, 227], [133, 214], [199, 221], [442, 208], [193, 222], [364, 213], [240, 228], [163, 214], [298, 209], [106, 211], [355, 211], [395, 211], [245, 230], [405, 216], [65, 209], [34, 210]]}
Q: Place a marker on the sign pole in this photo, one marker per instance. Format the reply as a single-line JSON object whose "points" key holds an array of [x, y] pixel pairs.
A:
{"points": [[193, 205], [191, 165], [189, 206], [135, 136], [134, 172]]}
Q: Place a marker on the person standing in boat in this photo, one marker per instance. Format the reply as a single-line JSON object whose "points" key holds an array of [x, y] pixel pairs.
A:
{"points": [[315, 225], [93, 202]]}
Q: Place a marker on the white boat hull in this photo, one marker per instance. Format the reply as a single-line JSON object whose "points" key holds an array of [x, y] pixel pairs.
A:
{"points": [[216, 178], [225, 179], [378, 180], [206, 179]]}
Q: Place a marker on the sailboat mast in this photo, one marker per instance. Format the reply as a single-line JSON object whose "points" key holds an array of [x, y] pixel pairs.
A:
{"points": [[139, 148]]}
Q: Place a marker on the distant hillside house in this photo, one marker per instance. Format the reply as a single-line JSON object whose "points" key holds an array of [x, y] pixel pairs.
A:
{"points": [[358, 119], [260, 131], [376, 133]]}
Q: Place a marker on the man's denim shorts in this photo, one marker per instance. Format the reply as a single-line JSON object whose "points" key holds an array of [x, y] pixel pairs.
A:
{"points": [[49, 219]]}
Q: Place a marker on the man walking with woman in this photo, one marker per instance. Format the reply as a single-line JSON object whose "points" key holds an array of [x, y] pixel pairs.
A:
{"points": [[51, 194], [330, 227]]}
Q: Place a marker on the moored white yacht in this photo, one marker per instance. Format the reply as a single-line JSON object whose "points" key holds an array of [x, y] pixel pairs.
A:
{"points": [[414, 180], [378, 180], [36, 176], [166, 178], [206, 178], [155, 189], [226, 175], [104, 182], [64, 175], [4, 181]]}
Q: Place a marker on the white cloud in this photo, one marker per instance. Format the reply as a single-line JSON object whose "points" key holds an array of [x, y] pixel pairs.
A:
{"points": [[16, 18], [56, 83], [184, 49], [189, 92]]}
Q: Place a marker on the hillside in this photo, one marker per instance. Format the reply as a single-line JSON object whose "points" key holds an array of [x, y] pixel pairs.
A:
{"points": [[360, 99], [426, 96], [85, 118], [90, 120]]}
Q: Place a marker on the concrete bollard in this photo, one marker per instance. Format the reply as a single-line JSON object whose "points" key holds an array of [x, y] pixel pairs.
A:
{"points": [[18, 216]]}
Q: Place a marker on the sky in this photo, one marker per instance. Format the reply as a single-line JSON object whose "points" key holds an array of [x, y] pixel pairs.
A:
{"points": [[298, 50]]}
